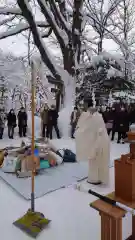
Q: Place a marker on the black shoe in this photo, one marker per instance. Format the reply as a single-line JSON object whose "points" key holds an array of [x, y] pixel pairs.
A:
{"points": [[118, 141], [95, 183]]}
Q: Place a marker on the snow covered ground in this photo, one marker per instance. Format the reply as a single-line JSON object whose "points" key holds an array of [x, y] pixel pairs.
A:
{"points": [[72, 218]]}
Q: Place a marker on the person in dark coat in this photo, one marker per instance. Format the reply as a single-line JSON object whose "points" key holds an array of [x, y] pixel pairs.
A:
{"points": [[11, 122], [122, 124], [108, 119], [2, 122], [53, 121], [22, 122], [132, 116], [74, 120], [44, 118], [114, 118]]}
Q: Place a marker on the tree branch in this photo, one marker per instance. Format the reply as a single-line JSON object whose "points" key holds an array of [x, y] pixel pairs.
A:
{"points": [[21, 27], [46, 35], [27, 13], [61, 18], [50, 19], [8, 11], [4, 21]]}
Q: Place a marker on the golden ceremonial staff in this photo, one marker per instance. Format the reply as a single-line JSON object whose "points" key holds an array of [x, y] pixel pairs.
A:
{"points": [[32, 222], [33, 135]]}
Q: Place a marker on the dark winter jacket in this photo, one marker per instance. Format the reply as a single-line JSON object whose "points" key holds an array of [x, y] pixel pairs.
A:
{"points": [[44, 116], [107, 116], [132, 117], [75, 115], [114, 117], [122, 121], [11, 119], [53, 117], [22, 119]]}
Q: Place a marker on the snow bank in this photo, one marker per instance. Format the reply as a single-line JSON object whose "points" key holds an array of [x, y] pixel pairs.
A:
{"points": [[65, 113], [64, 121], [37, 125], [112, 72]]}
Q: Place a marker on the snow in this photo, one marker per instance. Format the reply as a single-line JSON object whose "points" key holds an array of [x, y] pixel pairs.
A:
{"points": [[65, 113], [8, 10], [112, 72], [68, 209], [13, 70], [72, 218], [64, 121], [51, 20], [37, 125], [18, 28], [124, 95], [114, 57]]}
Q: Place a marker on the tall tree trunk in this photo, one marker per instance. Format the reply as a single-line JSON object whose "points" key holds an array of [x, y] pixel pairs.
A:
{"points": [[77, 28], [69, 60], [100, 44], [126, 40], [62, 7]]}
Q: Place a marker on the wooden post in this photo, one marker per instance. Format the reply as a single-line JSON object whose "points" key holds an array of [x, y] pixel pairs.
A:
{"points": [[111, 220], [33, 135], [133, 227], [111, 228]]}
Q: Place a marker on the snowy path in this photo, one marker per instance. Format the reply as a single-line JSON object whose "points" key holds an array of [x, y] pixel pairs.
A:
{"points": [[72, 218]]}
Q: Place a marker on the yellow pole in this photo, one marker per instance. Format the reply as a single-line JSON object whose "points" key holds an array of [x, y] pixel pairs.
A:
{"points": [[33, 135]]}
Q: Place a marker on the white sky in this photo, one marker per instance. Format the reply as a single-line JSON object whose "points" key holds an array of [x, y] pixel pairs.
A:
{"points": [[18, 46]]}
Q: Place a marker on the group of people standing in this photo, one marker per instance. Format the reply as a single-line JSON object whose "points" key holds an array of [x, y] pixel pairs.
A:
{"points": [[12, 120], [118, 121], [49, 121]]}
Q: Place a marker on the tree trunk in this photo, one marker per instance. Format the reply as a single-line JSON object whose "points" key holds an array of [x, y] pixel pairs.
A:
{"points": [[77, 28], [100, 45], [126, 39], [65, 113], [62, 7], [68, 60]]}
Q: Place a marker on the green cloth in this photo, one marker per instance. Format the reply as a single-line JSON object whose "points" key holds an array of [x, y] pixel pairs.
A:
{"points": [[18, 165], [44, 164]]}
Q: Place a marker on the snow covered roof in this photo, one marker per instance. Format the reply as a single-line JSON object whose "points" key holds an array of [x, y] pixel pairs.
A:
{"points": [[112, 72], [123, 95], [104, 56]]}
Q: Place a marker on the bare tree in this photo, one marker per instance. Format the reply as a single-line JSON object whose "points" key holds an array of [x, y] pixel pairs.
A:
{"points": [[124, 33], [98, 15], [55, 21]]}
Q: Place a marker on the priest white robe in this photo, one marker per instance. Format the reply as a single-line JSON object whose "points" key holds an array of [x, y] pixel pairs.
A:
{"points": [[93, 145]]}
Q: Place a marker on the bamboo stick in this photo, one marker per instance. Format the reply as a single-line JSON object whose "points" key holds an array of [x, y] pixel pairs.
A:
{"points": [[33, 136]]}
